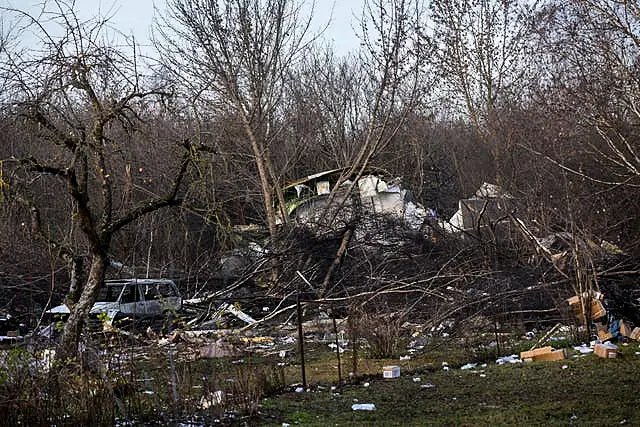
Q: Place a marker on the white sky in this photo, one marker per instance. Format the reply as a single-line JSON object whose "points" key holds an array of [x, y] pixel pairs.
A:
{"points": [[136, 17]]}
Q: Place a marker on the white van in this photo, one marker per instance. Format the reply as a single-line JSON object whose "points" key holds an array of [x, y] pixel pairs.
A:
{"points": [[133, 298]]}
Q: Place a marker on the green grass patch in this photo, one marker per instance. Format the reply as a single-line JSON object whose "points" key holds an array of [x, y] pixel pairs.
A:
{"points": [[576, 391]]}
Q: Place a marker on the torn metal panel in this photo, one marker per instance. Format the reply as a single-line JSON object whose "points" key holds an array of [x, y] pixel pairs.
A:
{"points": [[491, 191], [315, 210], [488, 206], [230, 308]]}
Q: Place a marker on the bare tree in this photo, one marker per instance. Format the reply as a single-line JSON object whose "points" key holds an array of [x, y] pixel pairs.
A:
{"points": [[235, 54], [326, 95], [394, 57], [582, 117], [483, 50], [366, 106], [599, 67], [79, 92]]}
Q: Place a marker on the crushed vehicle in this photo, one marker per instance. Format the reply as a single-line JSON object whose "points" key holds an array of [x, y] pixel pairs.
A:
{"points": [[133, 298]]}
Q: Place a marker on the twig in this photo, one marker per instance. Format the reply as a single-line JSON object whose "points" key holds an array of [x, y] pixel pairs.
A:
{"points": [[546, 336]]}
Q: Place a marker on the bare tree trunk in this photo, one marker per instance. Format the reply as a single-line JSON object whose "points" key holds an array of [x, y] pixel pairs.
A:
{"points": [[346, 238], [260, 159], [72, 328], [76, 268]]}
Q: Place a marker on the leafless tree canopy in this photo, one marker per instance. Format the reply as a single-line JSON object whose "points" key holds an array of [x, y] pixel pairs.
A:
{"points": [[245, 97]]}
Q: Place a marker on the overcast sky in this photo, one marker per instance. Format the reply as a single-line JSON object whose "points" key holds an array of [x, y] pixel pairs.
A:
{"points": [[136, 17]]}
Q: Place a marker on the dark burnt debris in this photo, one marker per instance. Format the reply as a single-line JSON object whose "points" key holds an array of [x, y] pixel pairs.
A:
{"points": [[362, 248], [363, 244]]}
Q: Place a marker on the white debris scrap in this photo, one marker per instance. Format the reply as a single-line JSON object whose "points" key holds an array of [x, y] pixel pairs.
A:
{"points": [[230, 308], [583, 349], [363, 407], [212, 399], [508, 359]]}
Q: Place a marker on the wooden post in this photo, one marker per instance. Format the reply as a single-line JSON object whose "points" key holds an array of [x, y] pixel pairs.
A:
{"points": [[301, 338], [335, 331]]}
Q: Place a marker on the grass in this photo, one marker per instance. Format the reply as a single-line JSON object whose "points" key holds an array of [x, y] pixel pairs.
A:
{"points": [[167, 385], [577, 391]]}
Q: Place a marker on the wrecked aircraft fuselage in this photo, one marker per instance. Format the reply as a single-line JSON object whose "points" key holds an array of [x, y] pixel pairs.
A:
{"points": [[323, 200]]}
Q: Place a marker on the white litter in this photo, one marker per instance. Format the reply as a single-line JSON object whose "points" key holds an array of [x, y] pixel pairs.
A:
{"points": [[610, 345], [363, 407], [299, 389], [509, 359], [417, 379], [405, 357], [334, 346], [212, 399], [468, 366], [583, 349]]}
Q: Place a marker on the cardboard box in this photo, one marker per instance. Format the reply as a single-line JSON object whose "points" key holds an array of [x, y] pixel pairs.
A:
{"points": [[544, 354], [603, 332], [548, 357], [635, 334], [604, 335], [606, 350], [597, 309], [626, 328], [390, 371], [538, 351], [576, 298]]}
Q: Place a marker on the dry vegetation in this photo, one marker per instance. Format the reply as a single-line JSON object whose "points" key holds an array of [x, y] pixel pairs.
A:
{"points": [[115, 165]]}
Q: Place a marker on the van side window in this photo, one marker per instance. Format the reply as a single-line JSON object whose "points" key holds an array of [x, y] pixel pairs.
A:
{"points": [[158, 291], [129, 294], [109, 293]]}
